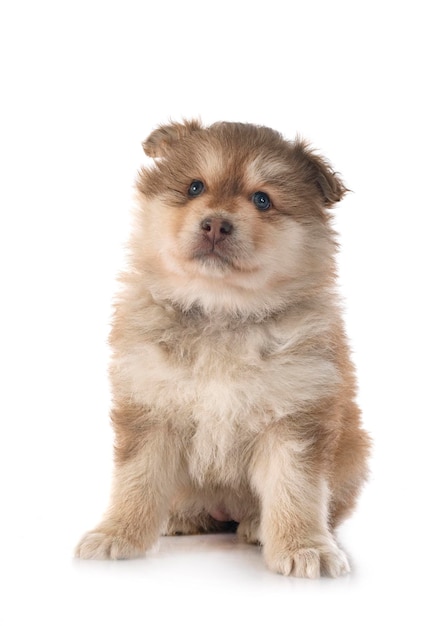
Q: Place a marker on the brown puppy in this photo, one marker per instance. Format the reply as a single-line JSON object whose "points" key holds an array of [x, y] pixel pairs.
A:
{"points": [[233, 387]]}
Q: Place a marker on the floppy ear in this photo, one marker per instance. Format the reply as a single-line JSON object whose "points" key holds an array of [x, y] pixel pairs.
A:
{"points": [[162, 139], [319, 171]]}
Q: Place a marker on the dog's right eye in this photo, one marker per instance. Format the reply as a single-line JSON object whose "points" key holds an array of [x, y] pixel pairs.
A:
{"points": [[196, 188]]}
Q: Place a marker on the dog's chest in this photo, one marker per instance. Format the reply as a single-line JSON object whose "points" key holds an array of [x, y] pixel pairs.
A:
{"points": [[245, 376], [223, 388], [212, 376]]}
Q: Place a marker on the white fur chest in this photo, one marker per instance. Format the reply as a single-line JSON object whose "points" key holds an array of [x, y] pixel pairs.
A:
{"points": [[243, 374], [226, 385]]}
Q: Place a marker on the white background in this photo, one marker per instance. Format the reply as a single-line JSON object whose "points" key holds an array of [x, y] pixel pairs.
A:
{"points": [[82, 84]]}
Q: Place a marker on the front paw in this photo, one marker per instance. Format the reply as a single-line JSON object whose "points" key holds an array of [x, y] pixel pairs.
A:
{"points": [[308, 562], [100, 545]]}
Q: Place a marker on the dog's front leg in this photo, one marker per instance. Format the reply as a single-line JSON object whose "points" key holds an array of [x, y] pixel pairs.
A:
{"points": [[144, 480], [294, 506]]}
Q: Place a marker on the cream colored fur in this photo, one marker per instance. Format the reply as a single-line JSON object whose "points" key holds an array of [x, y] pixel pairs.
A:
{"points": [[233, 388]]}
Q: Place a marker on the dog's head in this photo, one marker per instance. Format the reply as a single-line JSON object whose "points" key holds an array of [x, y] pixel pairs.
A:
{"points": [[233, 217]]}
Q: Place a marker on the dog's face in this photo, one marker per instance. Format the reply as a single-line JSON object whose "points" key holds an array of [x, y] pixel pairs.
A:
{"points": [[232, 214]]}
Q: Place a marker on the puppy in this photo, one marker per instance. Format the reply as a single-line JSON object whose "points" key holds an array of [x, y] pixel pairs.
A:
{"points": [[233, 389]]}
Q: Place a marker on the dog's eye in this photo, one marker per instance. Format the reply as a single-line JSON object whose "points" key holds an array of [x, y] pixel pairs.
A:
{"points": [[196, 188], [261, 200]]}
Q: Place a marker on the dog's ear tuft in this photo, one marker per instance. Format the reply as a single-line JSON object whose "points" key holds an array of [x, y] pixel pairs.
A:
{"points": [[159, 142], [320, 172]]}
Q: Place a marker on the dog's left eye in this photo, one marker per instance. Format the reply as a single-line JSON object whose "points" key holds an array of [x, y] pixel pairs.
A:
{"points": [[196, 188], [261, 201]]}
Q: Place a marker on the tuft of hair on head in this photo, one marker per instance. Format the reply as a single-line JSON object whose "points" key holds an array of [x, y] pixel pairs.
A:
{"points": [[319, 171], [159, 142]]}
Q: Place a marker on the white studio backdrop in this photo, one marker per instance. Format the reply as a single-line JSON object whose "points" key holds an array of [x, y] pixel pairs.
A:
{"points": [[82, 85]]}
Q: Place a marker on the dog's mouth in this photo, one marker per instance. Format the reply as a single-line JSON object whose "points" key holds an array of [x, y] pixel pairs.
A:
{"points": [[219, 256], [232, 257], [213, 258]]}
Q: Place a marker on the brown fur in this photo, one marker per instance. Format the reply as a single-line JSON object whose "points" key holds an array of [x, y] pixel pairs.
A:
{"points": [[232, 381]]}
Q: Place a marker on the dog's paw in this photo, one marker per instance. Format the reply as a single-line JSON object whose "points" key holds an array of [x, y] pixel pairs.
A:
{"points": [[308, 562], [248, 531], [100, 545]]}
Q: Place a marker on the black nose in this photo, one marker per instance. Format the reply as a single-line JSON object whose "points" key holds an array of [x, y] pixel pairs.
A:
{"points": [[216, 229]]}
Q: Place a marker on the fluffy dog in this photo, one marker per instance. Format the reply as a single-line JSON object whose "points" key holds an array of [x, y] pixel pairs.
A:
{"points": [[233, 388]]}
